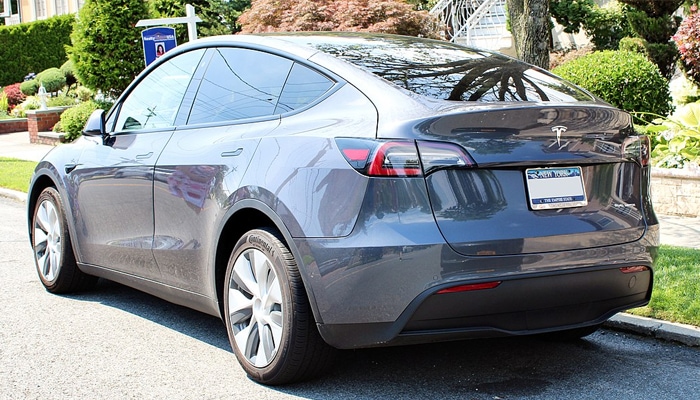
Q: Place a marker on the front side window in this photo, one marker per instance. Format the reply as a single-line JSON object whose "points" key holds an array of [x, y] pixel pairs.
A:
{"points": [[155, 101], [239, 84]]}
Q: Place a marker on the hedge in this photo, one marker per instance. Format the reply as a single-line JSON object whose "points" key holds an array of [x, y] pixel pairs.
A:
{"points": [[33, 47]]}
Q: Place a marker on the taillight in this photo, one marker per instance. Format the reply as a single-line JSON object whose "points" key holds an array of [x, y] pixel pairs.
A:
{"points": [[395, 159], [438, 155], [402, 158], [638, 148]]}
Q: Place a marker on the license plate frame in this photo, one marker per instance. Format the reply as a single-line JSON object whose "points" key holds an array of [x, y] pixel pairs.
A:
{"points": [[555, 188]]}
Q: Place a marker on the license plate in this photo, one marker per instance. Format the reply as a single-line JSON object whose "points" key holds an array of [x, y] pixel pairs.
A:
{"points": [[550, 188]]}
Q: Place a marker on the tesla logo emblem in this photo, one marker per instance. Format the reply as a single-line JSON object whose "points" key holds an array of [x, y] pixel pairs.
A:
{"points": [[559, 130]]}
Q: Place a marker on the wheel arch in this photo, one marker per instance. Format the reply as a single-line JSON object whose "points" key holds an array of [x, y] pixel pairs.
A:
{"points": [[244, 216]]}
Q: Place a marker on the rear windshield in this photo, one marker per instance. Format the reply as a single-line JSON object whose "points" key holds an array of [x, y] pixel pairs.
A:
{"points": [[445, 71]]}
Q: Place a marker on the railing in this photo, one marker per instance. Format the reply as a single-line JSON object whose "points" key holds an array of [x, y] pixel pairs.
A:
{"points": [[481, 22]]}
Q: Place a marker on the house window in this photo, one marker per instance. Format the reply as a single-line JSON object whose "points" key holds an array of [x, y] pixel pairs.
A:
{"points": [[40, 9], [61, 7]]}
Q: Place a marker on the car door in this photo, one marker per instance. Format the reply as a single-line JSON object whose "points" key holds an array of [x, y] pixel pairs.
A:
{"points": [[205, 160], [115, 174]]}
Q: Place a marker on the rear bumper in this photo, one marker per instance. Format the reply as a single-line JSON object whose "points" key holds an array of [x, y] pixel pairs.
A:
{"points": [[516, 307]]}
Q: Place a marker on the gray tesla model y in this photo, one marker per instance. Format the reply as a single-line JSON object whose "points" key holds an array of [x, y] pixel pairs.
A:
{"points": [[336, 191]]}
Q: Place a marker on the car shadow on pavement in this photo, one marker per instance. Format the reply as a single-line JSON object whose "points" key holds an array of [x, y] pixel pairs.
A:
{"points": [[195, 324]]}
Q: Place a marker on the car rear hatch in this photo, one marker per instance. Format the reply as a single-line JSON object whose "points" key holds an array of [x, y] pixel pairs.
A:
{"points": [[545, 178]]}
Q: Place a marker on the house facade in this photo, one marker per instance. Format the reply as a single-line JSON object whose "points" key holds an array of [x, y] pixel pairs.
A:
{"points": [[33, 10]]}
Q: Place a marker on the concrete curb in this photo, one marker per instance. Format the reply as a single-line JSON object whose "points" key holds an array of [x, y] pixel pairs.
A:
{"points": [[686, 334], [13, 194]]}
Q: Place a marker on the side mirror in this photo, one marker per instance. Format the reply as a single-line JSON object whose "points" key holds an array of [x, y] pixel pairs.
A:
{"points": [[95, 125]]}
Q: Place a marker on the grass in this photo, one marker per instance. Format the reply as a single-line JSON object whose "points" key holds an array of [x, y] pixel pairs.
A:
{"points": [[676, 295], [15, 174]]}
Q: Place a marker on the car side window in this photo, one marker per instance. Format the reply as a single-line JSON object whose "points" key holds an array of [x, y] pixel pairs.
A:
{"points": [[303, 87], [239, 84], [155, 101]]}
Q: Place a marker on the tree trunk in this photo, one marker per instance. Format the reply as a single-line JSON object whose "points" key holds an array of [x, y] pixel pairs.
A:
{"points": [[529, 24]]}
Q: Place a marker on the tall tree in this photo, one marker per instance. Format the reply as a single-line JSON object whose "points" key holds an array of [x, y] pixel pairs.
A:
{"points": [[529, 22], [106, 49]]}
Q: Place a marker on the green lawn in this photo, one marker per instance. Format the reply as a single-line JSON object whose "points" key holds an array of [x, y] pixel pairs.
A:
{"points": [[676, 295], [15, 174]]}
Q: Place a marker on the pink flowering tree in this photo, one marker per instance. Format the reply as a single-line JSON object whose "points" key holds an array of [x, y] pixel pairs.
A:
{"points": [[688, 41]]}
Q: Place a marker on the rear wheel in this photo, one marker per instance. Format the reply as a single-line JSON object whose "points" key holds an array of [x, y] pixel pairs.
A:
{"points": [[267, 313], [53, 253]]}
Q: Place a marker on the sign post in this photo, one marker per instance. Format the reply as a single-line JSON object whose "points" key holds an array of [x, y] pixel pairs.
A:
{"points": [[148, 44], [156, 41]]}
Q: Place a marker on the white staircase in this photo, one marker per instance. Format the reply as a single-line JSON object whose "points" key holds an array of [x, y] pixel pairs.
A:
{"points": [[479, 23]]}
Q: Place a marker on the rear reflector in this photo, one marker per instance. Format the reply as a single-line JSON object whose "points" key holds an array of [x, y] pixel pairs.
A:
{"points": [[635, 269], [470, 287]]}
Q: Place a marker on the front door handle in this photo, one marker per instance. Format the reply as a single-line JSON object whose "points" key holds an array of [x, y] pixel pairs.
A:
{"points": [[144, 156]]}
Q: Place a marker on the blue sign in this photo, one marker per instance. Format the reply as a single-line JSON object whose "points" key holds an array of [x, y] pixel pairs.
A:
{"points": [[156, 42]]}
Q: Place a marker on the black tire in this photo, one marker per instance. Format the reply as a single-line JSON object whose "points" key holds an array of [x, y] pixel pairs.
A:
{"points": [[51, 244], [571, 335], [268, 317]]}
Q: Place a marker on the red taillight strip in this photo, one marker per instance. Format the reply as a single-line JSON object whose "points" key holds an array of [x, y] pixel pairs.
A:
{"points": [[635, 269], [395, 159], [470, 287]]}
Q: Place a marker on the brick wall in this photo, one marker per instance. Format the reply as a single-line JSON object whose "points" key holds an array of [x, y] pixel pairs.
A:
{"points": [[675, 192], [13, 125], [43, 121]]}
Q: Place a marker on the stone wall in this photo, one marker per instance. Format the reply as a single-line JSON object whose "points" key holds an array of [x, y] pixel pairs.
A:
{"points": [[675, 192], [42, 121], [13, 125]]}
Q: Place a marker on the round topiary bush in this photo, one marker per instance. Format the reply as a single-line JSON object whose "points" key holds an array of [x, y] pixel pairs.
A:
{"points": [[73, 119], [52, 79], [624, 79], [29, 88], [688, 41]]}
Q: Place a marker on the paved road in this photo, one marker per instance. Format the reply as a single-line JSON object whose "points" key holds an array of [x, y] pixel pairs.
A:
{"points": [[116, 343]]}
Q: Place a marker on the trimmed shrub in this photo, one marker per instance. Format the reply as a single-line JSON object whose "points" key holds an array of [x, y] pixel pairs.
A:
{"points": [[14, 95], [73, 119], [105, 46], [83, 93], [29, 88], [33, 46], [606, 26], [636, 45], [52, 79], [68, 70], [688, 40], [622, 78], [31, 103], [61, 101]]}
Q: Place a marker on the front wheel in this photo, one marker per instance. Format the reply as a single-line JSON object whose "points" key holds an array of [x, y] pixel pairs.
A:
{"points": [[268, 317], [53, 253]]}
